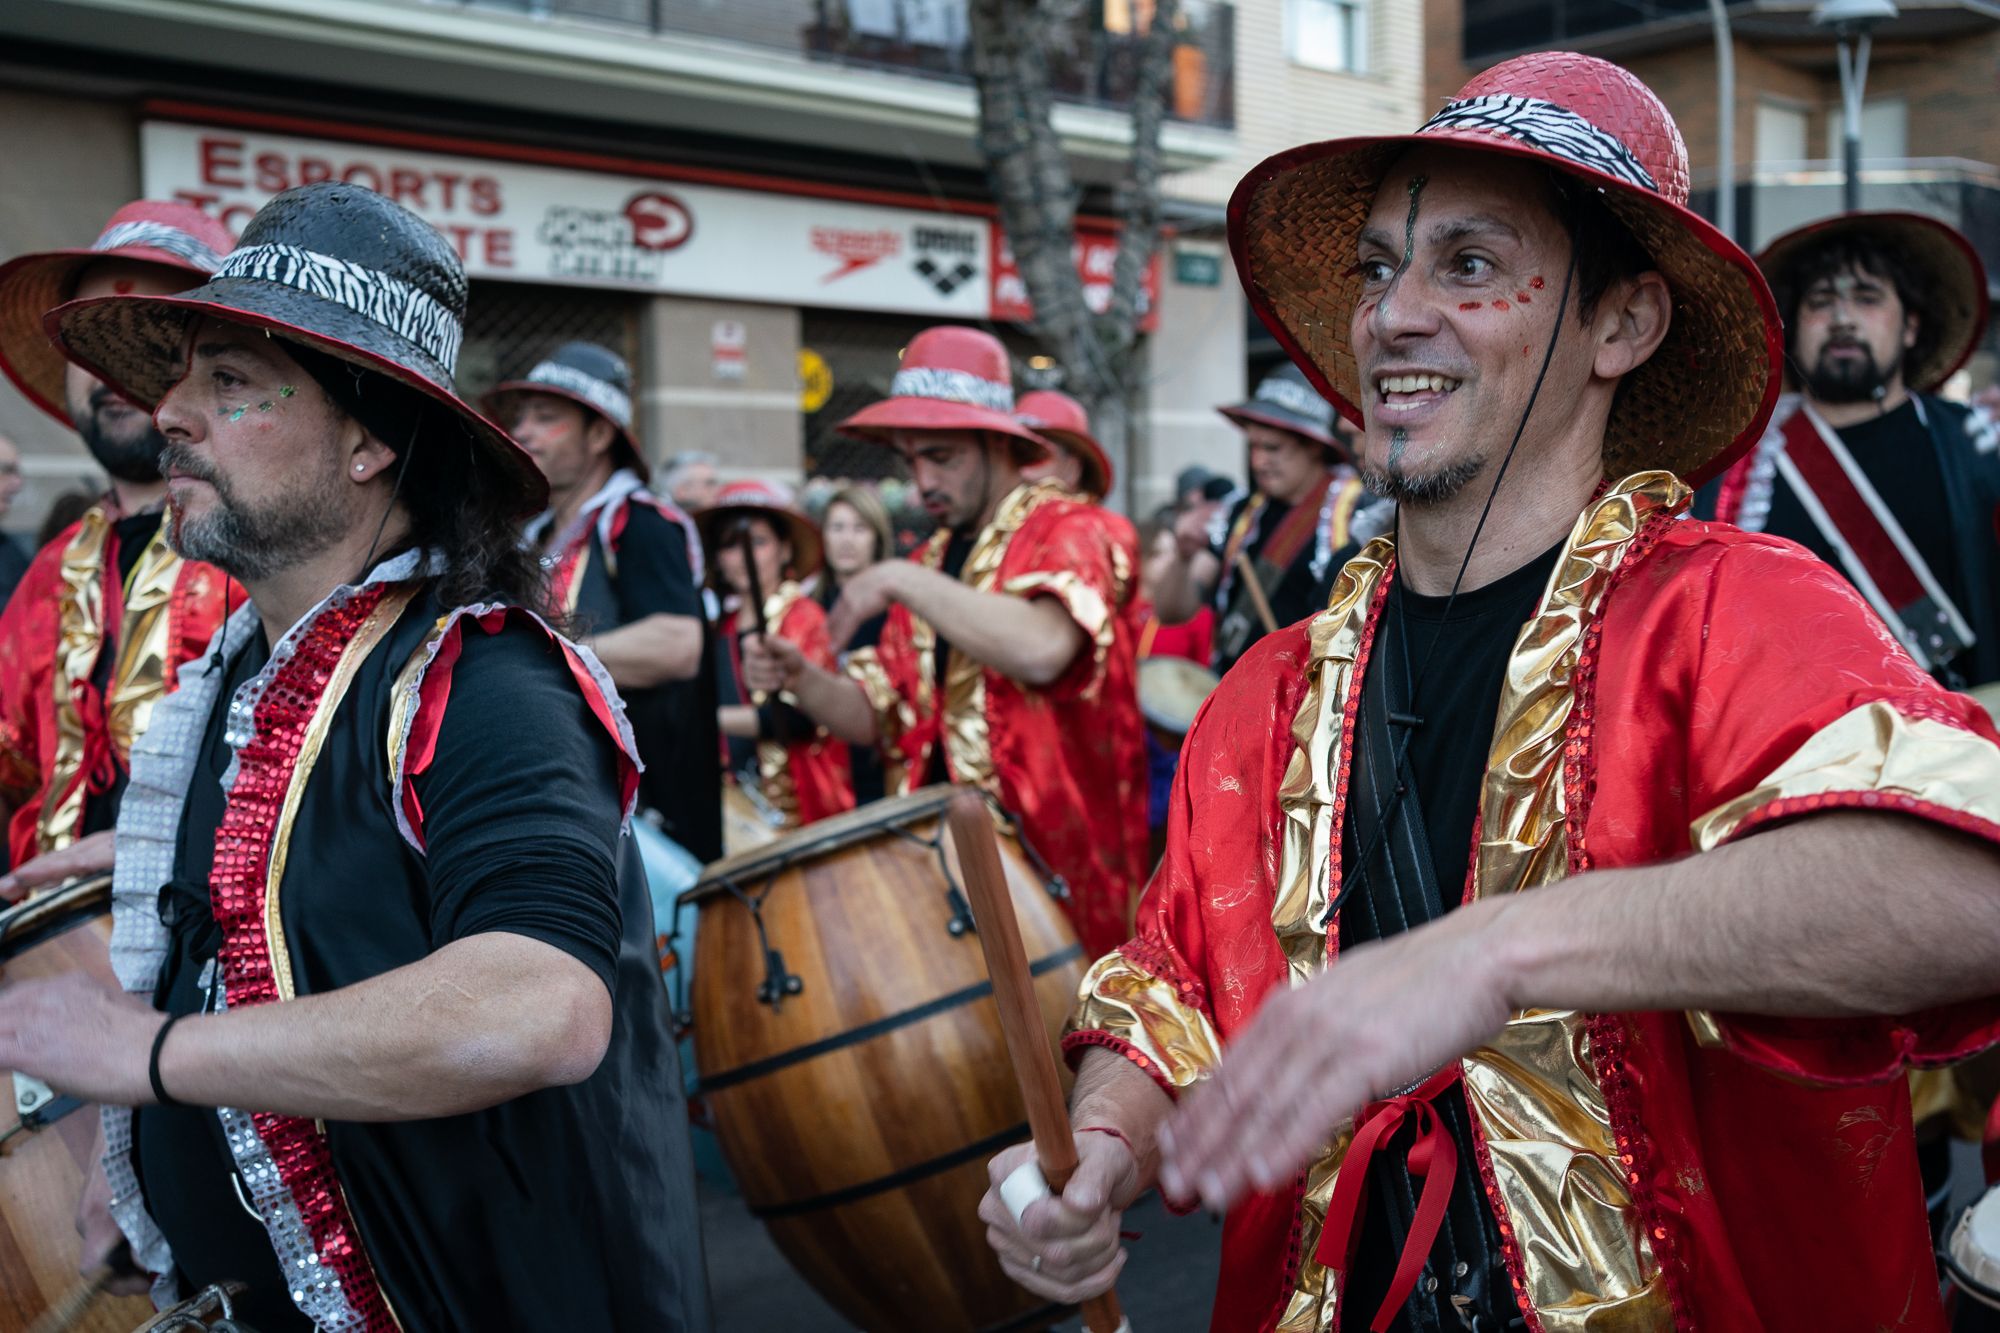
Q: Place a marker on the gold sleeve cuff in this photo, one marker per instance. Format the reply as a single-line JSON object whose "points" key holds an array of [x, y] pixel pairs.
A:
{"points": [[864, 667], [1083, 603], [1872, 757], [1120, 999]]}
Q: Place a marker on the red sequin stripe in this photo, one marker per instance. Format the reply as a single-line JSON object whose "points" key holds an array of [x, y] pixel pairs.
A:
{"points": [[238, 886], [1579, 770], [1155, 959], [1510, 1248], [1607, 1031], [1350, 709], [1078, 1041]]}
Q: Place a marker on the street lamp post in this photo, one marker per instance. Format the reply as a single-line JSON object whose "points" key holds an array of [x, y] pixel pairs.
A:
{"points": [[1853, 23]]}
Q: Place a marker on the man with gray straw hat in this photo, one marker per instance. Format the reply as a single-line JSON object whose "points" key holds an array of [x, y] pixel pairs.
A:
{"points": [[389, 1005]]}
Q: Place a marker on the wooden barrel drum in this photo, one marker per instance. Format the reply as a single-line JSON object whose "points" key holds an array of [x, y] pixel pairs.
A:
{"points": [[43, 1167], [852, 1060]]}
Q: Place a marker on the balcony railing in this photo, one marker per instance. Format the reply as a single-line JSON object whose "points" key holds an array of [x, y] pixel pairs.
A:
{"points": [[1091, 64], [1497, 26]]}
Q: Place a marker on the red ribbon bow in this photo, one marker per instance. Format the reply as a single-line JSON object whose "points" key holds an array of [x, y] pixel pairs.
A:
{"points": [[1433, 1158]]}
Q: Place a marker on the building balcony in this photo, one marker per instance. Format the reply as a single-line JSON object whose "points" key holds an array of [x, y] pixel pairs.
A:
{"points": [[883, 77], [1090, 66], [1495, 29]]}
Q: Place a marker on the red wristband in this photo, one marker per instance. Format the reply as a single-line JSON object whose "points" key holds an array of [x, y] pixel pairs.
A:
{"points": [[1114, 1133]]}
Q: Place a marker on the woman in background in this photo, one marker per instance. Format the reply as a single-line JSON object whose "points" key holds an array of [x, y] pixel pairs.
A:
{"points": [[858, 534], [801, 771]]}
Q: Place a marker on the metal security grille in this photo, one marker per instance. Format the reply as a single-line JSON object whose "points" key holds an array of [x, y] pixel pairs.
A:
{"points": [[511, 325]]}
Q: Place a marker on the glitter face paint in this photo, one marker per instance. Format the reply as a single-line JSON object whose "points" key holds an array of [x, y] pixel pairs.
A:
{"points": [[1470, 305]]}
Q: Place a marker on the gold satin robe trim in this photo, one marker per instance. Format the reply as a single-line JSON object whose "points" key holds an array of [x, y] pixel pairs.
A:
{"points": [[1084, 604], [961, 703], [893, 714], [1541, 1114], [774, 773], [1119, 997], [1872, 748], [138, 676]]}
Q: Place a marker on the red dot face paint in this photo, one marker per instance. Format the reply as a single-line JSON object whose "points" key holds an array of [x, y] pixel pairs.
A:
{"points": [[123, 286], [1499, 305], [1537, 283], [1526, 349], [1523, 297], [1469, 305]]}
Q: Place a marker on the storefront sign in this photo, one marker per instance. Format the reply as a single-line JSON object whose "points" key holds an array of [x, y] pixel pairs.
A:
{"points": [[533, 223]]}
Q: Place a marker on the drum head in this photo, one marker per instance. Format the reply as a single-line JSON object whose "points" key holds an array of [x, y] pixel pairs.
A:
{"points": [[1973, 1254], [1171, 691], [824, 837]]}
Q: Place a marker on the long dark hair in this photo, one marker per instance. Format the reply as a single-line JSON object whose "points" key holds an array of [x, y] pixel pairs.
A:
{"points": [[458, 506]]}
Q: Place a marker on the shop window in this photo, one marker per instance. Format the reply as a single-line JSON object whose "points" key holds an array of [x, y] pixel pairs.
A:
{"points": [[1329, 34]]}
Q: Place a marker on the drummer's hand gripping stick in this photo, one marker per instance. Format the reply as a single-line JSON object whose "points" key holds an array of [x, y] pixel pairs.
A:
{"points": [[1021, 1023]]}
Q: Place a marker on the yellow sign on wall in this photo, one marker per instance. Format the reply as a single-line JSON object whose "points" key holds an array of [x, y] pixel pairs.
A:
{"points": [[815, 380]]}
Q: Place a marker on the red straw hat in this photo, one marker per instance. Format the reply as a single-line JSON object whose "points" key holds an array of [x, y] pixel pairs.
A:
{"points": [[765, 499], [1954, 307], [1061, 420], [179, 237], [952, 378], [1703, 396]]}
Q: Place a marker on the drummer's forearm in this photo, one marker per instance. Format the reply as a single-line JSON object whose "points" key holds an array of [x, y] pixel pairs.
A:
{"points": [[1180, 592], [1113, 1093], [837, 703], [738, 721], [483, 1020]]}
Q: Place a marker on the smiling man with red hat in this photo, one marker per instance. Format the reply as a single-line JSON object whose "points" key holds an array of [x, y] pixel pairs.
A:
{"points": [[390, 1003], [107, 612], [1521, 955], [1005, 662]]}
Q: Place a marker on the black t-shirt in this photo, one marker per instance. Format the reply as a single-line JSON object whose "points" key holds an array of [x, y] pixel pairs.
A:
{"points": [[510, 848], [1297, 594], [674, 723], [864, 761], [1895, 452], [1457, 696]]}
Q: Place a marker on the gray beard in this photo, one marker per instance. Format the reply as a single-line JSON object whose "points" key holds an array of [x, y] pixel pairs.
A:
{"points": [[1420, 490], [252, 544]]}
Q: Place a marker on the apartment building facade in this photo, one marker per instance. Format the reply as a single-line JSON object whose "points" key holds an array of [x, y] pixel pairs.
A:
{"points": [[1930, 122], [758, 200]]}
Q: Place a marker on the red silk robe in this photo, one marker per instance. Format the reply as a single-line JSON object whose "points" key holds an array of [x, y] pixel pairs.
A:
{"points": [[1066, 760], [1682, 684], [807, 779], [64, 739]]}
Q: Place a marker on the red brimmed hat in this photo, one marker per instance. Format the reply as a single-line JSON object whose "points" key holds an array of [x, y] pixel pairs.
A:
{"points": [[590, 376], [1061, 420], [1704, 395], [177, 237], [768, 500], [1955, 299], [329, 266], [952, 378]]}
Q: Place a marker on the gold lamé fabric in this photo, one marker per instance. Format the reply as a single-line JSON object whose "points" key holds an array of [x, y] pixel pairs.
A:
{"points": [[1168, 1036], [138, 676], [1873, 748], [894, 715], [1557, 1178]]}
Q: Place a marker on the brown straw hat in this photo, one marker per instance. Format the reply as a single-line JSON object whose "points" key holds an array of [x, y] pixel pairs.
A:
{"points": [[1955, 302], [178, 238], [1705, 394]]}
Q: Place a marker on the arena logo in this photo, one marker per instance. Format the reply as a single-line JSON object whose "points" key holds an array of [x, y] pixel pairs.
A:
{"points": [[616, 245], [947, 257]]}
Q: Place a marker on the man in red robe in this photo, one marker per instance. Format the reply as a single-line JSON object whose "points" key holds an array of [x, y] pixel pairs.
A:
{"points": [[1006, 662], [1507, 1017], [107, 612]]}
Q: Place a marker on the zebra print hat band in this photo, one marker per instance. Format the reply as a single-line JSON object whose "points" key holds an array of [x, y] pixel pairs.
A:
{"points": [[412, 315], [609, 399]]}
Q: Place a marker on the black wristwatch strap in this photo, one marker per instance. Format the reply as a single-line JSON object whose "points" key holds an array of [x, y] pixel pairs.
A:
{"points": [[160, 1093]]}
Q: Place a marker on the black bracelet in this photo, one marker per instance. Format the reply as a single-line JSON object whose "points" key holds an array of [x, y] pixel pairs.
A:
{"points": [[160, 1093]]}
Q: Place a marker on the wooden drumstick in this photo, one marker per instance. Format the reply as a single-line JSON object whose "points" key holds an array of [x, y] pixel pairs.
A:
{"points": [[1248, 571], [69, 1310], [1020, 1016]]}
